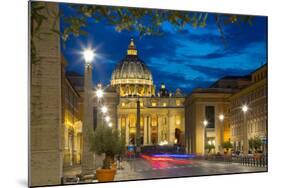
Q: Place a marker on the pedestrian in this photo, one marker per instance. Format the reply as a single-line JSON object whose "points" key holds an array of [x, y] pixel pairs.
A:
{"points": [[178, 148]]}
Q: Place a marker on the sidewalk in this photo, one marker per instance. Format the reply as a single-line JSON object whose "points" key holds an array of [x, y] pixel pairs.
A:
{"points": [[127, 173]]}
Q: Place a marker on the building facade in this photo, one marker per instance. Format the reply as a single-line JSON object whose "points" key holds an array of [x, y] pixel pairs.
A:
{"points": [[72, 122], [206, 112], [216, 114], [253, 122]]}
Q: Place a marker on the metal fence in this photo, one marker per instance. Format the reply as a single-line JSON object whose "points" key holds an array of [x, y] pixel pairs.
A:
{"points": [[257, 161], [260, 161]]}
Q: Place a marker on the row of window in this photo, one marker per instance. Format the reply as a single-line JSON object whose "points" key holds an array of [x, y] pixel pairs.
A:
{"points": [[259, 126], [260, 76], [70, 104], [153, 103], [247, 99], [70, 97], [253, 113]]}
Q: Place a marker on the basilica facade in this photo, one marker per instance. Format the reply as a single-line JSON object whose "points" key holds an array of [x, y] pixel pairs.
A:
{"points": [[137, 109]]}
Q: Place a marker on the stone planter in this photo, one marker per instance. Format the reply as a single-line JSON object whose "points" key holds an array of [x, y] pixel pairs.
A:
{"points": [[105, 175]]}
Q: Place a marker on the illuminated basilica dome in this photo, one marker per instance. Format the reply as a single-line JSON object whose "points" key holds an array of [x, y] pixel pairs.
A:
{"points": [[131, 76]]}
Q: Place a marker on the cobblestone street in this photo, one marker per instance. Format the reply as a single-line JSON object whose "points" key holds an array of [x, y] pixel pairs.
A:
{"points": [[144, 169]]}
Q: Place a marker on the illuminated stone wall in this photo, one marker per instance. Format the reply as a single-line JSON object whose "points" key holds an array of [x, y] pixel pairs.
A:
{"points": [[195, 115], [72, 124], [160, 116], [254, 122]]}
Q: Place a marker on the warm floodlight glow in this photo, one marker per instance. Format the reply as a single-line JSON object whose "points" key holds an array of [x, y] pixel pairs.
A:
{"points": [[89, 55], [244, 108], [205, 122], [221, 117], [107, 118], [162, 143], [110, 124], [99, 93], [104, 109]]}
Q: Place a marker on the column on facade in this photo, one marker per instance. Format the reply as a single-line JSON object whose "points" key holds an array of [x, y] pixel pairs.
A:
{"points": [[66, 150], [135, 89], [183, 128], [138, 133], [75, 148], [217, 130], [79, 147], [245, 134], [171, 128], [149, 129], [159, 126], [127, 130], [168, 127], [119, 124], [145, 130]]}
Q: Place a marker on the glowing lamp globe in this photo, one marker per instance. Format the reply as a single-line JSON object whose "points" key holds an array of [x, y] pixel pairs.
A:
{"points": [[107, 118], [99, 93], [244, 108], [88, 55], [221, 117], [104, 109], [205, 122]]}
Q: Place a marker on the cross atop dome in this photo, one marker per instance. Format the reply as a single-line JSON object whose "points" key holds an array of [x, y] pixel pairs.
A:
{"points": [[132, 50]]}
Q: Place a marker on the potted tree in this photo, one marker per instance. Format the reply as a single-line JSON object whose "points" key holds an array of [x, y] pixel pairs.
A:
{"points": [[107, 141], [226, 145], [209, 148], [255, 143]]}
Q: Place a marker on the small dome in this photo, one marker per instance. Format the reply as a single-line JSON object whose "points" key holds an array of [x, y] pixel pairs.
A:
{"points": [[178, 92]]}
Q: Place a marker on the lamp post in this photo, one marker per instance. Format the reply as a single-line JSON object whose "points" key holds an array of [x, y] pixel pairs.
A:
{"points": [[110, 124], [103, 109], [107, 119], [87, 157], [205, 123], [99, 93], [245, 109], [221, 118]]}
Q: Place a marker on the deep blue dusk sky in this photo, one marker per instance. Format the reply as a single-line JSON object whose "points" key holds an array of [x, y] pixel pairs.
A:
{"points": [[193, 57]]}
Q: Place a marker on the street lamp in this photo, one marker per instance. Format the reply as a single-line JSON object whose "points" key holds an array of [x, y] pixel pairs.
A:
{"points": [[245, 132], [104, 109], [87, 157], [107, 119], [244, 108], [89, 55], [205, 122], [99, 93], [221, 117]]}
